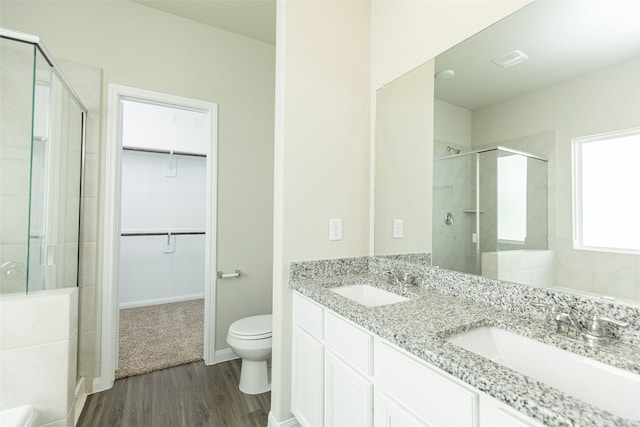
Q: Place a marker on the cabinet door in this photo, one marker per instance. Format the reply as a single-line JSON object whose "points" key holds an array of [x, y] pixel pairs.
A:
{"points": [[389, 413], [307, 378], [348, 395]]}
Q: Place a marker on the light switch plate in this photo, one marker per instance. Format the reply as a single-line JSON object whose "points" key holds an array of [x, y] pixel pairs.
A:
{"points": [[335, 229], [397, 229]]}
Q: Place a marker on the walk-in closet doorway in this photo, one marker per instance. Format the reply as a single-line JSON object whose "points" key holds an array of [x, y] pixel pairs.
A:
{"points": [[160, 206]]}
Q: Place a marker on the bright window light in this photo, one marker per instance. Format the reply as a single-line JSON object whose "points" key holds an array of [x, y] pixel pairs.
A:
{"points": [[607, 192], [512, 198]]}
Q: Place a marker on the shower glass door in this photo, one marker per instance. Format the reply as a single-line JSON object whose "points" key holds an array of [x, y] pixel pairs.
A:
{"points": [[56, 180], [486, 202], [16, 94], [41, 153]]}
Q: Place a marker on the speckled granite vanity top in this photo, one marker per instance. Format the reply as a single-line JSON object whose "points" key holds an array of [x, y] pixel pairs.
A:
{"points": [[421, 324]]}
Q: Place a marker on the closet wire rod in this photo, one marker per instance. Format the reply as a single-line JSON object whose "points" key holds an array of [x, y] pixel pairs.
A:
{"points": [[161, 233], [152, 150]]}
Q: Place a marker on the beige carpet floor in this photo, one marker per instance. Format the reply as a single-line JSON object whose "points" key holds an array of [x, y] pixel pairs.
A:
{"points": [[160, 336]]}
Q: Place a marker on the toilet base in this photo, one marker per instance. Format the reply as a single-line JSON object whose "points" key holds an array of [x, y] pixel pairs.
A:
{"points": [[254, 377]]}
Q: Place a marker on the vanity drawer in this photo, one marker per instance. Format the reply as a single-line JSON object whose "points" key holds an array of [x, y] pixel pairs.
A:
{"points": [[429, 394], [349, 341], [308, 315]]}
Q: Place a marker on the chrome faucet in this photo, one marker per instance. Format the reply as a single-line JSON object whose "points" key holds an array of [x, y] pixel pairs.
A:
{"points": [[566, 324], [407, 279]]}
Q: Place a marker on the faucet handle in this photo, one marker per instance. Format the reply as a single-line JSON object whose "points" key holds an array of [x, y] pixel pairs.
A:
{"points": [[550, 310], [408, 279], [597, 325]]}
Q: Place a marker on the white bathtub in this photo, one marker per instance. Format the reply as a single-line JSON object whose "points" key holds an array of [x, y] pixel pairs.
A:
{"points": [[22, 416]]}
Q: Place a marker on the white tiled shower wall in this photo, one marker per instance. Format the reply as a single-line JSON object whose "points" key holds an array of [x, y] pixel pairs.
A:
{"points": [[38, 353], [35, 317], [533, 267]]}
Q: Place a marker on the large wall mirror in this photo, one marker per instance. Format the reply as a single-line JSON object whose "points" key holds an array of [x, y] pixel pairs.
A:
{"points": [[518, 97]]}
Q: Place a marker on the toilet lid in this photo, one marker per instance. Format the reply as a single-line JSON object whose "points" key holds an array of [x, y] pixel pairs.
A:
{"points": [[252, 328]]}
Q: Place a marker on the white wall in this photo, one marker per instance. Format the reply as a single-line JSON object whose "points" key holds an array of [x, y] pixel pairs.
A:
{"points": [[141, 47], [322, 152], [452, 127], [404, 129], [602, 101], [162, 269]]}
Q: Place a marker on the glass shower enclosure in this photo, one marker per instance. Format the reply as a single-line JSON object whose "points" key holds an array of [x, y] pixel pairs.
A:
{"points": [[485, 202], [41, 165]]}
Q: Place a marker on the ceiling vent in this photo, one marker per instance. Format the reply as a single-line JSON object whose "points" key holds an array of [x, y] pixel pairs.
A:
{"points": [[510, 59]]}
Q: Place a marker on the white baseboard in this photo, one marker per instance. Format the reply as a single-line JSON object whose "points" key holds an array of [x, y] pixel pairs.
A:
{"points": [[156, 301], [291, 422], [81, 398], [223, 355], [99, 384]]}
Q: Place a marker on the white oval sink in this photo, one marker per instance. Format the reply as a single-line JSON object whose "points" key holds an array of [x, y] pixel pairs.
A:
{"points": [[368, 295], [604, 386]]}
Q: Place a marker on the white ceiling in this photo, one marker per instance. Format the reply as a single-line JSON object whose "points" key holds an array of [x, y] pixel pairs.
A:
{"points": [[562, 39], [250, 18]]}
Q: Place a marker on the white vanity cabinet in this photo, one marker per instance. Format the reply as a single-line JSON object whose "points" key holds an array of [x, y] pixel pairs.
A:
{"points": [[331, 367], [348, 395], [426, 393], [494, 413], [390, 413], [344, 376], [307, 400]]}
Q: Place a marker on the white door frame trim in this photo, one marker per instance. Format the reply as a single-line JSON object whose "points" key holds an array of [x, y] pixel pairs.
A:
{"points": [[111, 241]]}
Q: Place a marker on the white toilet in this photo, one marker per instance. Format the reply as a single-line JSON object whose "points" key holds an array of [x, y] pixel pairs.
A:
{"points": [[250, 339]]}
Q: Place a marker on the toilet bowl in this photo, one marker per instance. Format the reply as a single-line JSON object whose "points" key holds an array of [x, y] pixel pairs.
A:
{"points": [[250, 339]]}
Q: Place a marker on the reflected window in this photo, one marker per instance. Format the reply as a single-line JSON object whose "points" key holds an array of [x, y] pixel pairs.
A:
{"points": [[605, 187], [512, 199]]}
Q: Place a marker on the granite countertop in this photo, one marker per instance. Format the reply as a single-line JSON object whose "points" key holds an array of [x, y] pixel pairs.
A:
{"points": [[421, 325]]}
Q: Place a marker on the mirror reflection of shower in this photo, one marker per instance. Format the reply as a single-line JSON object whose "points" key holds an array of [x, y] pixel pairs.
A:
{"points": [[499, 198], [453, 150]]}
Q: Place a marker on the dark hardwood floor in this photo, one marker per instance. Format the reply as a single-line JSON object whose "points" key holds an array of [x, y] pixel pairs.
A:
{"points": [[190, 395]]}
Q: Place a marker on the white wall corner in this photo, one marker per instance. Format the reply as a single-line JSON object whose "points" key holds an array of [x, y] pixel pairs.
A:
{"points": [[224, 355], [291, 422]]}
